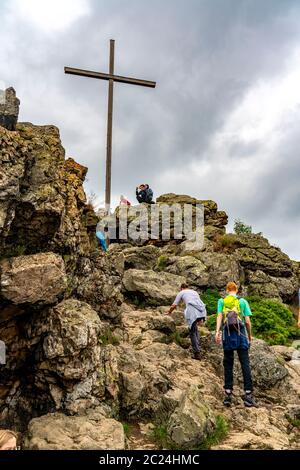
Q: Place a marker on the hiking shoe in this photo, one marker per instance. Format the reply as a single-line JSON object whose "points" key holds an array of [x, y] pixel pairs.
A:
{"points": [[249, 400], [227, 400], [197, 356]]}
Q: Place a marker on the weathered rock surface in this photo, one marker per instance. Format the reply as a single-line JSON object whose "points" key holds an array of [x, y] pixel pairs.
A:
{"points": [[87, 334], [267, 371], [98, 281], [258, 429], [144, 257], [197, 271], [9, 109], [258, 267], [59, 432], [33, 279], [42, 201], [157, 287], [212, 216], [192, 421]]}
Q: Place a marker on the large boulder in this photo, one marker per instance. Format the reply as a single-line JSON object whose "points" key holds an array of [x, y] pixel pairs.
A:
{"points": [[74, 325], [158, 287], [142, 329], [212, 217], [260, 283], [189, 266], [192, 421], [33, 279], [144, 257], [267, 371], [221, 268], [60, 432], [144, 222]]}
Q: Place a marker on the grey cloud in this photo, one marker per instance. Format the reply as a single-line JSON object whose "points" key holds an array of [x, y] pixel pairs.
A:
{"points": [[205, 56]]}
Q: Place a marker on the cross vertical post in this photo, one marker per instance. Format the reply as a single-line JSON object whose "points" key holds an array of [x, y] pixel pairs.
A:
{"points": [[109, 127], [111, 78]]}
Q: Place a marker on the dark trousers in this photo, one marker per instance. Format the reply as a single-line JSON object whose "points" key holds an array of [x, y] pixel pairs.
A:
{"points": [[228, 361], [194, 335]]}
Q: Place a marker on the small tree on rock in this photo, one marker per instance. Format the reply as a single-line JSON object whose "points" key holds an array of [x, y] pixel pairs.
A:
{"points": [[240, 227]]}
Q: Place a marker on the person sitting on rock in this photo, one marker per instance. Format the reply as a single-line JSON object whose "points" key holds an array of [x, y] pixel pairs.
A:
{"points": [[195, 313], [234, 319], [124, 201], [8, 440], [144, 194]]}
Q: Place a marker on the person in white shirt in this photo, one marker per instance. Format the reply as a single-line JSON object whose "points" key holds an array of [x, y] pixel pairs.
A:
{"points": [[195, 312]]}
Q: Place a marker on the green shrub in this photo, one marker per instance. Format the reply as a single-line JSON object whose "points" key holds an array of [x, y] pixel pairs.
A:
{"points": [[109, 338], [219, 434], [179, 339], [128, 429], [211, 322], [241, 228], [295, 422], [272, 320], [210, 297], [160, 437]]}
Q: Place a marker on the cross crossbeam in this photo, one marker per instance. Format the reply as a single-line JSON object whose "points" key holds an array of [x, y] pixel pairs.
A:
{"points": [[107, 76]]}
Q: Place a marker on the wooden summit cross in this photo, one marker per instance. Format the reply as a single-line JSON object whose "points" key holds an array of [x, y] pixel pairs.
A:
{"points": [[111, 78]]}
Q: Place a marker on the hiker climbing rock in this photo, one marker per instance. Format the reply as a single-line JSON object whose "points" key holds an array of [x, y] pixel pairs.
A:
{"points": [[234, 319], [195, 313], [144, 194]]}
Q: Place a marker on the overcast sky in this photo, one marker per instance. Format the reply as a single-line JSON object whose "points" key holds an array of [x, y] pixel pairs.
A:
{"points": [[223, 122]]}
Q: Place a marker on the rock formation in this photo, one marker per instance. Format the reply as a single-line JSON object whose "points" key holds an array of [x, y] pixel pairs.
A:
{"points": [[87, 337], [9, 109]]}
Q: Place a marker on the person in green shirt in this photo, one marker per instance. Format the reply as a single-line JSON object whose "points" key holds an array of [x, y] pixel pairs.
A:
{"points": [[234, 320]]}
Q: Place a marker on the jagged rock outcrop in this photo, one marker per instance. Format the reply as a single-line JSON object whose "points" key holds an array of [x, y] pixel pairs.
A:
{"points": [[258, 267], [88, 339], [49, 266], [42, 201], [9, 109]]}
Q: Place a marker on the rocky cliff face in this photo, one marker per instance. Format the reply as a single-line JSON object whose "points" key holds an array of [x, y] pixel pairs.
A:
{"points": [[88, 341], [258, 267]]}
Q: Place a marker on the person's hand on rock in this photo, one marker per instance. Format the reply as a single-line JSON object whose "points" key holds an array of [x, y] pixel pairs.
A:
{"points": [[218, 337]]}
